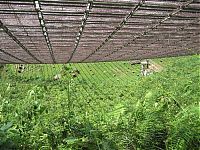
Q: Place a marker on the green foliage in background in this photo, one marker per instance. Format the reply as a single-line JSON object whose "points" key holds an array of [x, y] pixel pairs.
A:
{"points": [[103, 108]]}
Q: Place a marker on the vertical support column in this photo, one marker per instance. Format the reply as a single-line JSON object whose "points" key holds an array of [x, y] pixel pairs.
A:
{"points": [[145, 67]]}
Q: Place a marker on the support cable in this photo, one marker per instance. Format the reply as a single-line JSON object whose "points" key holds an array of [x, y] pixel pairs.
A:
{"points": [[3, 51], [17, 18], [98, 76], [119, 27], [86, 73], [183, 46], [44, 28], [148, 30], [98, 70], [8, 61], [104, 69], [172, 51], [78, 36], [7, 31], [85, 97], [157, 40], [175, 53]]}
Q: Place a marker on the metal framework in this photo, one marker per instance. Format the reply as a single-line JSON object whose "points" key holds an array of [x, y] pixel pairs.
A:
{"points": [[59, 31]]}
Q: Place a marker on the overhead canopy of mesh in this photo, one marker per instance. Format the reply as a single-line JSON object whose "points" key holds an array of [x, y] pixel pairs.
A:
{"points": [[58, 31]]}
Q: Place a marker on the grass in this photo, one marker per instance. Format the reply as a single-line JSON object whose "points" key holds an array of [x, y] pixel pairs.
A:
{"points": [[108, 106]]}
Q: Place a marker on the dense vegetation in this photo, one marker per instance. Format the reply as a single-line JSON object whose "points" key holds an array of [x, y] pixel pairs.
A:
{"points": [[103, 108]]}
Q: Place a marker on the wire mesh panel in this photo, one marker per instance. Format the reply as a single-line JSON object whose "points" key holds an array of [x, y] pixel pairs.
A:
{"points": [[43, 31]]}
